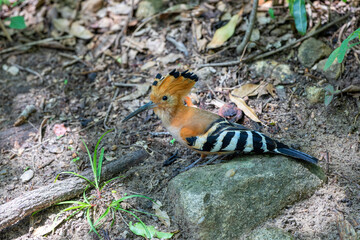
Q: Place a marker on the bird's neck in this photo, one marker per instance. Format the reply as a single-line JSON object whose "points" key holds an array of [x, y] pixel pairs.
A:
{"points": [[167, 115]]}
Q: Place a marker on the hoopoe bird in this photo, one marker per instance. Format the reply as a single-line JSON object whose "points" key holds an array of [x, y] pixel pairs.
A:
{"points": [[203, 131]]}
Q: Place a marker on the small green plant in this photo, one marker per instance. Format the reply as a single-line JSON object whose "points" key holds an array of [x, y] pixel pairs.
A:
{"points": [[339, 53], [88, 204], [330, 92], [16, 22], [271, 13]]}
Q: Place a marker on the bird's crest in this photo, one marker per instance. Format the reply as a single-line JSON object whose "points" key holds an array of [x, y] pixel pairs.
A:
{"points": [[175, 83]]}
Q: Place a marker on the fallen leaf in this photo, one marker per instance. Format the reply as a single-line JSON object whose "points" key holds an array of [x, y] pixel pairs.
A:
{"points": [[142, 89], [248, 89], [271, 90], [61, 24], [224, 33], [148, 65], [248, 111], [170, 58], [351, 88], [80, 31], [103, 43], [163, 216]]}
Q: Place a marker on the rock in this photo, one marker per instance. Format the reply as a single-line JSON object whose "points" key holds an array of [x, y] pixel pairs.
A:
{"points": [[12, 70], [311, 51], [333, 72], [212, 205], [255, 35], [270, 233], [27, 176], [315, 94], [273, 69]]}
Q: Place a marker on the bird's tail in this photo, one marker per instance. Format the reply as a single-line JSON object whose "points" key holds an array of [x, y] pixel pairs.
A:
{"points": [[296, 154]]}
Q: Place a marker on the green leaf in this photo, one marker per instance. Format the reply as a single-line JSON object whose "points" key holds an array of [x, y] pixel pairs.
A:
{"points": [[139, 229], [329, 88], [271, 13], [354, 35], [328, 98], [342, 51], [299, 14], [331, 58], [17, 22], [291, 7]]}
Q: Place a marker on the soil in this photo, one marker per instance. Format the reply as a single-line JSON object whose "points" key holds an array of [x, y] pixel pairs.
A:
{"points": [[80, 102]]}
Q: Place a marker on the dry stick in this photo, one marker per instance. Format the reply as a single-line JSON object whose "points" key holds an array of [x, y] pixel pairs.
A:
{"points": [[30, 71], [240, 48], [5, 31], [34, 43], [235, 62], [44, 197]]}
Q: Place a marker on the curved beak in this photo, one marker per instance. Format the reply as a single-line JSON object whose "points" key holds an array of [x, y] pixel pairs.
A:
{"points": [[147, 106]]}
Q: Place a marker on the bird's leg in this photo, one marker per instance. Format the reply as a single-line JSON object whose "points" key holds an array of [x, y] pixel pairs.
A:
{"points": [[212, 159], [203, 156]]}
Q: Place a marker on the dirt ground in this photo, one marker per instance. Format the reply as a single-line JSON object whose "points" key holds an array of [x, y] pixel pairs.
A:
{"points": [[80, 100]]}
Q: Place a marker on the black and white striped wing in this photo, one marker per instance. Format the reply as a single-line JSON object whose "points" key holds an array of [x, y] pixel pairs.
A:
{"points": [[223, 137]]}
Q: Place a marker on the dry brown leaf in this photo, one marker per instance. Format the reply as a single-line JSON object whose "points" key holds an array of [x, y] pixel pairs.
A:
{"points": [[271, 90], [351, 88], [248, 89], [224, 33], [80, 31], [248, 111]]}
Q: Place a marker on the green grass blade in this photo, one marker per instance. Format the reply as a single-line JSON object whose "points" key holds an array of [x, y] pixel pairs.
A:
{"points": [[354, 35], [109, 181], [72, 202], [98, 143], [91, 224], [78, 175], [93, 166], [100, 163], [130, 196], [142, 223], [102, 216], [331, 58]]}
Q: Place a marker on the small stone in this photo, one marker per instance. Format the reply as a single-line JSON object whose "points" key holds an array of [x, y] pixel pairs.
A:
{"points": [[311, 51], [315, 94], [27, 176], [3, 171], [71, 142], [13, 70], [333, 72], [230, 173], [113, 147], [255, 35]]}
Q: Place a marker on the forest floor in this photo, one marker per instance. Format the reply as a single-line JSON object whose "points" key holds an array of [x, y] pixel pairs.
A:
{"points": [[78, 95]]}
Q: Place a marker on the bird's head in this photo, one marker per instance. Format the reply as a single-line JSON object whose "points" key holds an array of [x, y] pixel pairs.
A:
{"points": [[167, 93]]}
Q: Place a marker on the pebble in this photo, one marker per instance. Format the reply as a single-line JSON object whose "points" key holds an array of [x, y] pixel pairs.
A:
{"points": [[27, 176]]}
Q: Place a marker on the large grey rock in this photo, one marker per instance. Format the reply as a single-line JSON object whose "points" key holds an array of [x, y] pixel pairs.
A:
{"points": [[270, 233], [224, 201], [333, 72], [311, 51]]}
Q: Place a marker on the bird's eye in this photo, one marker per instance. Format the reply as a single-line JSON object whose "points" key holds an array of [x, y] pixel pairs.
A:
{"points": [[165, 98]]}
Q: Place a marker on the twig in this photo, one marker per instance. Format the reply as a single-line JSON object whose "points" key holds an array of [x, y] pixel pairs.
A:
{"points": [[299, 40], [34, 43], [125, 85], [30, 71], [235, 62], [5, 31], [240, 48]]}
